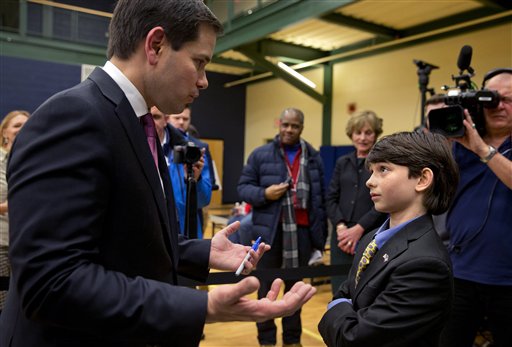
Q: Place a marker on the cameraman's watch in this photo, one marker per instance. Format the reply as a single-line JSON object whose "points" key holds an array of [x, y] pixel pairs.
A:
{"points": [[492, 153]]}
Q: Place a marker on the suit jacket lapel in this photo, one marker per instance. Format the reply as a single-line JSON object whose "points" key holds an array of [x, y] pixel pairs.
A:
{"points": [[172, 225], [137, 138]]}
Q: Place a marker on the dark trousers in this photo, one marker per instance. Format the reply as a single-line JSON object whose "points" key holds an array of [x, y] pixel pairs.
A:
{"points": [[292, 326], [338, 257], [474, 301]]}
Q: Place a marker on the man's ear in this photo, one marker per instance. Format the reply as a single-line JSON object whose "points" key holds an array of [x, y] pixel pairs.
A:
{"points": [[153, 44], [425, 180]]}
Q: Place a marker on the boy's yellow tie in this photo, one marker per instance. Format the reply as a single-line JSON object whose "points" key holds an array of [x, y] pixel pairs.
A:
{"points": [[368, 254]]}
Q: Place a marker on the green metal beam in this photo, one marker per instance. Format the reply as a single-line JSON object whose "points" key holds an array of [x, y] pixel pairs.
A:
{"points": [[327, 106], [236, 63], [359, 45], [502, 4], [272, 18], [260, 60], [15, 45], [449, 21], [505, 17], [381, 30], [274, 48]]}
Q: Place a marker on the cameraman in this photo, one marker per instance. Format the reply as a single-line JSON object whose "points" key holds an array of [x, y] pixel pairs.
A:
{"points": [[170, 137], [480, 222]]}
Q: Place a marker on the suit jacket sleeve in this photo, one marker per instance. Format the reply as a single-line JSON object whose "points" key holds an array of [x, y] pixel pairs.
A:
{"points": [[64, 176]]}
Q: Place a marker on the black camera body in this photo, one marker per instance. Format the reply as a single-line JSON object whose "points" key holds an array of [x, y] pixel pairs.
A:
{"points": [[186, 154], [448, 121]]}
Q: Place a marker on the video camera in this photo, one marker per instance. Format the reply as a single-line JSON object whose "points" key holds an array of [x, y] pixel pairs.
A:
{"points": [[447, 121], [186, 154]]}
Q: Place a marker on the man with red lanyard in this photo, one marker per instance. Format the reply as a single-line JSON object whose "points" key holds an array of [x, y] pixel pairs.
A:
{"points": [[283, 181]]}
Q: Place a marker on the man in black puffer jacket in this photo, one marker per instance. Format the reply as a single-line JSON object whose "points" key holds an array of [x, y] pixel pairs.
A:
{"points": [[284, 183]]}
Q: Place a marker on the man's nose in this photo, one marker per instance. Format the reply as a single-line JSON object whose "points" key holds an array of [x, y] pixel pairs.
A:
{"points": [[202, 82]]}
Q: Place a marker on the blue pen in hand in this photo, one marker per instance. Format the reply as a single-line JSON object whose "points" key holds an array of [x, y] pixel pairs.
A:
{"points": [[254, 247]]}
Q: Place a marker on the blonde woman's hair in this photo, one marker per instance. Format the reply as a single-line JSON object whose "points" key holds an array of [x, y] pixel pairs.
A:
{"points": [[357, 122]]}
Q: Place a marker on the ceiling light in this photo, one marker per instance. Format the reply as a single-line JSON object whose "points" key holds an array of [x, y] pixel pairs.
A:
{"points": [[296, 74]]}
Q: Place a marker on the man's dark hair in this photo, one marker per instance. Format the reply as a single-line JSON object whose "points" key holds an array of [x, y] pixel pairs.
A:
{"points": [[416, 151], [294, 111], [133, 19]]}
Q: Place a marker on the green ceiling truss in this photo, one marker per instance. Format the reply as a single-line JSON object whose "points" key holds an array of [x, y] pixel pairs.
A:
{"points": [[272, 18], [260, 60]]}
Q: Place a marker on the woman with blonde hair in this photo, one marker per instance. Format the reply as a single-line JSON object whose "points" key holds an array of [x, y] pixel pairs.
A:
{"points": [[9, 128], [349, 206]]}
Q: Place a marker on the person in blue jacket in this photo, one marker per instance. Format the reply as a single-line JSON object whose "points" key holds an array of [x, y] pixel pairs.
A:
{"points": [[170, 137], [284, 182]]}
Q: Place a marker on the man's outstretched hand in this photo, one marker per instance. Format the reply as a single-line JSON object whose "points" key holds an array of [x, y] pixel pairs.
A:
{"points": [[225, 255], [229, 302]]}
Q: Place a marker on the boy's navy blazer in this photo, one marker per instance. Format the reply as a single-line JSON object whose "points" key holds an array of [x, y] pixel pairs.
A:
{"points": [[94, 246], [403, 297]]}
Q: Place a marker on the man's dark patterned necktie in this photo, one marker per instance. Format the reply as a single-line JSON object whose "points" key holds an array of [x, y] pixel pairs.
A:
{"points": [[150, 130]]}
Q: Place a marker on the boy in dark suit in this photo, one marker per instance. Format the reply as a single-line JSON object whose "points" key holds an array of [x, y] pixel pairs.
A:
{"points": [[400, 286]]}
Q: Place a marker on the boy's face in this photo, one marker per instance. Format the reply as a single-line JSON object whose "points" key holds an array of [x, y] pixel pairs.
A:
{"points": [[393, 191]]}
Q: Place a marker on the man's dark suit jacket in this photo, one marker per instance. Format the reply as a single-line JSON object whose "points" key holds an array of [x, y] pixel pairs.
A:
{"points": [[95, 249], [403, 297]]}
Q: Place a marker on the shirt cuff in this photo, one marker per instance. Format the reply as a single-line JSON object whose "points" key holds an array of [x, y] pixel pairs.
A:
{"points": [[337, 301]]}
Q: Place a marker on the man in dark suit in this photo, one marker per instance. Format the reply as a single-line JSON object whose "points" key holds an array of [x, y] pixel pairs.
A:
{"points": [[400, 286], [95, 249]]}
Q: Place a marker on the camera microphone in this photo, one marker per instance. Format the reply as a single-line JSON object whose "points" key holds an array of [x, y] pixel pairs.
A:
{"points": [[464, 60]]}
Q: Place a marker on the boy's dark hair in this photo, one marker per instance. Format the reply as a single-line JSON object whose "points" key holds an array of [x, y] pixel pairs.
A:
{"points": [[133, 19], [416, 151]]}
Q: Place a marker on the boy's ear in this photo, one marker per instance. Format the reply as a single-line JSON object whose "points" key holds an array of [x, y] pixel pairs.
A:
{"points": [[425, 180]]}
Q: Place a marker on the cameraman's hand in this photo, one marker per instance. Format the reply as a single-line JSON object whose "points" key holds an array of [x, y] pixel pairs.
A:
{"points": [[471, 139], [197, 167]]}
